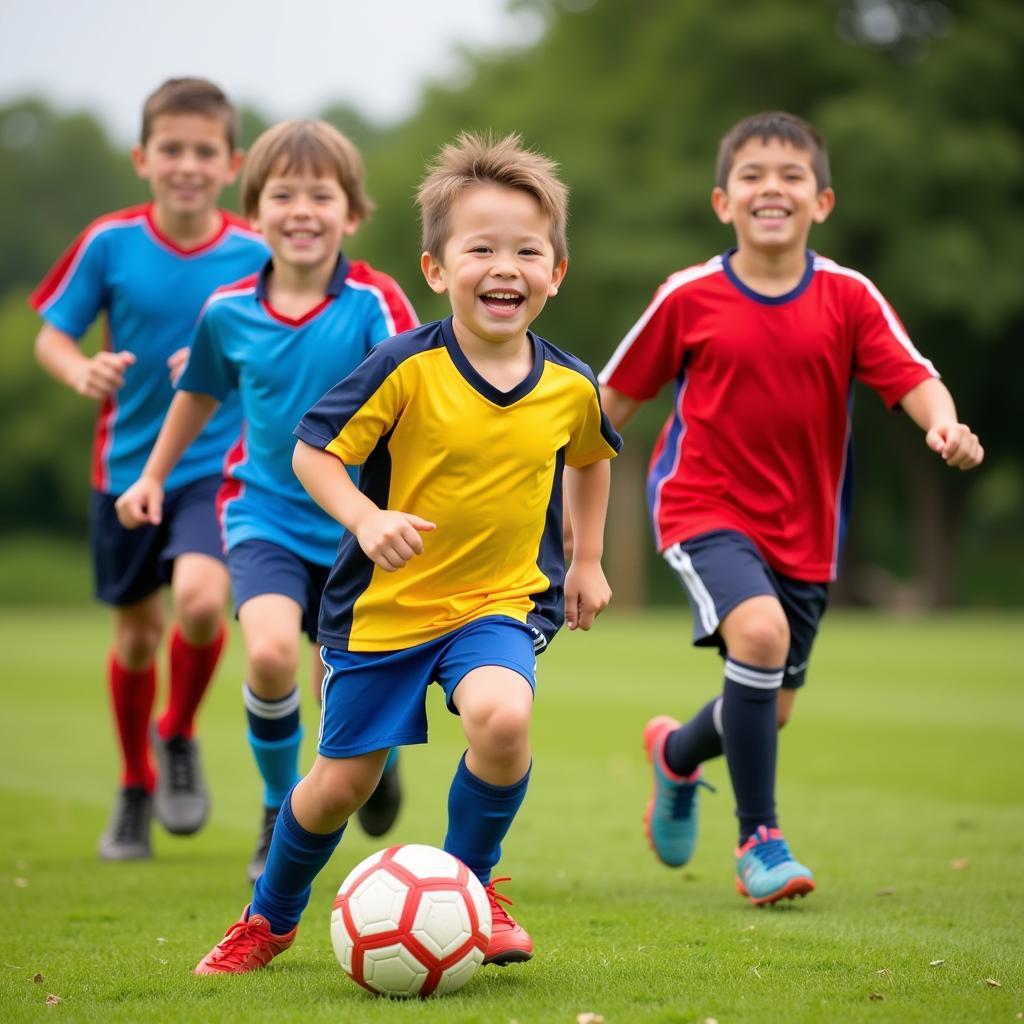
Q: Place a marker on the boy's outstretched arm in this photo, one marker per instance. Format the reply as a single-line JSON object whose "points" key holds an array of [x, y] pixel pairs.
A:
{"points": [[586, 590], [94, 376], [388, 538], [143, 502], [619, 408], [931, 407]]}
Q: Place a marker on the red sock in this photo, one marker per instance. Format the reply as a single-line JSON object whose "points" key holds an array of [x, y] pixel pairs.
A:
{"points": [[191, 671], [132, 692]]}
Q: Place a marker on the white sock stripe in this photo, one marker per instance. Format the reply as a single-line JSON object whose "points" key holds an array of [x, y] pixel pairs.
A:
{"points": [[761, 679], [271, 710], [683, 565], [716, 716]]}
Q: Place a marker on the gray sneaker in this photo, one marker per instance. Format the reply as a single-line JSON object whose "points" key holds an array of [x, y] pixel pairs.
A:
{"points": [[127, 835], [181, 799], [259, 857]]}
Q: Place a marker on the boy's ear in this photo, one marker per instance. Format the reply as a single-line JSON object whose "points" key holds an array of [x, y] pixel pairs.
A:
{"points": [[434, 274], [557, 276], [720, 204], [235, 165], [825, 204], [139, 160]]}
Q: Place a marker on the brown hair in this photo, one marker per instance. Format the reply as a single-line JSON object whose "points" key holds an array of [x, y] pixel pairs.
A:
{"points": [[476, 159], [189, 96], [314, 146], [771, 125]]}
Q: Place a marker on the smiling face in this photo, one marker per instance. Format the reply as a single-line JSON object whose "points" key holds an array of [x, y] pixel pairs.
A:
{"points": [[498, 266], [187, 160], [772, 197], [304, 216]]}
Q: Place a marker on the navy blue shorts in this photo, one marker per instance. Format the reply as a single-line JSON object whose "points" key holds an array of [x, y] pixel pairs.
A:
{"points": [[129, 565], [261, 567], [377, 699], [724, 568]]}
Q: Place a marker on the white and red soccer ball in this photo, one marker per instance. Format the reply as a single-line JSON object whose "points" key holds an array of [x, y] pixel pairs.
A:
{"points": [[411, 921]]}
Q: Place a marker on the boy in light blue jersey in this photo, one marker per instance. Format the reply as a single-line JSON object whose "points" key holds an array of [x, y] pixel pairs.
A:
{"points": [[150, 268], [280, 339]]}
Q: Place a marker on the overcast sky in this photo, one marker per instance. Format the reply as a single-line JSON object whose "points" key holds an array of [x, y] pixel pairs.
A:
{"points": [[288, 58]]}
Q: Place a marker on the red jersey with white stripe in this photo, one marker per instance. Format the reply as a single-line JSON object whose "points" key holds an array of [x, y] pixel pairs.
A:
{"points": [[758, 437]]}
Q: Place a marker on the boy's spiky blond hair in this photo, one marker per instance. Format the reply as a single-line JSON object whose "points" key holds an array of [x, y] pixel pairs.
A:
{"points": [[303, 145], [478, 159]]}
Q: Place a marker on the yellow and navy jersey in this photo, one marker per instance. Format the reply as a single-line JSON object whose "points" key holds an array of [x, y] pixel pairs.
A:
{"points": [[435, 439]]}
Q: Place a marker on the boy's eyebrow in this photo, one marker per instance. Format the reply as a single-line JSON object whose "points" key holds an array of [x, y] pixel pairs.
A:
{"points": [[757, 165]]}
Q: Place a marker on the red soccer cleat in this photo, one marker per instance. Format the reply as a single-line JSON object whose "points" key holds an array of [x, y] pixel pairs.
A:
{"points": [[510, 942], [247, 945]]}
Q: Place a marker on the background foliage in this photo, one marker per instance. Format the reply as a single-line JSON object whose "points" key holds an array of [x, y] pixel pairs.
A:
{"points": [[922, 104]]}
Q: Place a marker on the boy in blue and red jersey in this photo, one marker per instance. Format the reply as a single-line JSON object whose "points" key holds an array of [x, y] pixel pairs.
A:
{"points": [[150, 268], [748, 483], [452, 570], [278, 340]]}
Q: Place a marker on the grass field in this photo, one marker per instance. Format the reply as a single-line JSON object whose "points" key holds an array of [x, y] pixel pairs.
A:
{"points": [[901, 783]]}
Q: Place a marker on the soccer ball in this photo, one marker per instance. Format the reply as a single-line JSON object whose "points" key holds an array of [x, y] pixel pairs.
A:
{"points": [[411, 921]]}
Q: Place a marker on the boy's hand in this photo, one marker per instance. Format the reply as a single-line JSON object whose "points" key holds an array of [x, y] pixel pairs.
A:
{"points": [[586, 594], [141, 504], [955, 442], [103, 374], [391, 538], [176, 364]]}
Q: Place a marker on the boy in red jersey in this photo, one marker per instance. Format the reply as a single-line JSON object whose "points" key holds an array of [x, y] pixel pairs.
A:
{"points": [[748, 480], [150, 269]]}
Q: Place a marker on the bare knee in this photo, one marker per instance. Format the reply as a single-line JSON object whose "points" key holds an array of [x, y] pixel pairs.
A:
{"points": [[502, 729], [338, 790], [759, 638], [273, 661], [199, 591], [136, 639]]}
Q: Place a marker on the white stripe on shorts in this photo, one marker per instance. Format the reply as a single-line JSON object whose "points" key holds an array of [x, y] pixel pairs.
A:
{"points": [[679, 560]]}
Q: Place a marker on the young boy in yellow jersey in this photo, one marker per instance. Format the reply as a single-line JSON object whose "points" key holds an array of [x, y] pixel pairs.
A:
{"points": [[451, 570]]}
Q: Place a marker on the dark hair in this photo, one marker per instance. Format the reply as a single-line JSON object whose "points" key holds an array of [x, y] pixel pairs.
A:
{"points": [[303, 145], [190, 96], [775, 124], [478, 159]]}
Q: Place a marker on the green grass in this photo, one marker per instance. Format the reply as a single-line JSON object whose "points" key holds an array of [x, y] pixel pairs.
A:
{"points": [[905, 755]]}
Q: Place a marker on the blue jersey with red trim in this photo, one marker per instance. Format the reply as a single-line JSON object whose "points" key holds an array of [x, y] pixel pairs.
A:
{"points": [[758, 437], [280, 367], [152, 292]]}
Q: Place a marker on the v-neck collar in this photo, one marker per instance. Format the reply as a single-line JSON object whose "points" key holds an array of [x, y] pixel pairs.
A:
{"points": [[334, 288], [479, 383]]}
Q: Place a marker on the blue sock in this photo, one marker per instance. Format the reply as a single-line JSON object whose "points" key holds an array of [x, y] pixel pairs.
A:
{"points": [[479, 816], [696, 741], [750, 737], [275, 736], [294, 860]]}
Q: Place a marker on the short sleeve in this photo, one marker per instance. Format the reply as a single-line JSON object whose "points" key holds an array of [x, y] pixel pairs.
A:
{"points": [[356, 413], [74, 291], [208, 371], [594, 438], [651, 353], [884, 357]]}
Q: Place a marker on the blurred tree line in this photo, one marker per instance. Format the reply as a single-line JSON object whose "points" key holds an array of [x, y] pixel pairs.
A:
{"points": [[922, 104]]}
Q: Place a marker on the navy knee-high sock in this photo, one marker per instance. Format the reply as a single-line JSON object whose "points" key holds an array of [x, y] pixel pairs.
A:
{"points": [[479, 816], [696, 741], [750, 741], [294, 860]]}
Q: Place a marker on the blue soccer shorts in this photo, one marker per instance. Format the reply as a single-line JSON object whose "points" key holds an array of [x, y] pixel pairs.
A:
{"points": [[721, 569], [129, 565], [377, 699], [261, 567]]}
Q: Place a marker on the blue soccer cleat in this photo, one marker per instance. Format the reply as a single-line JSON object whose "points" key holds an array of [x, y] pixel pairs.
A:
{"points": [[766, 871], [671, 817]]}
